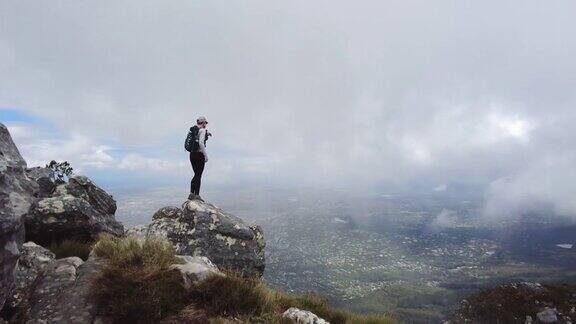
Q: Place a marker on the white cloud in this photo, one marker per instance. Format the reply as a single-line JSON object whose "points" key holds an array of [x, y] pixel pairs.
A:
{"points": [[333, 92], [38, 147], [146, 164], [441, 187], [546, 184], [445, 219], [501, 126]]}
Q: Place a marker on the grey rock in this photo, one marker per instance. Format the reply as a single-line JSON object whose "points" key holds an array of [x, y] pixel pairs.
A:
{"points": [[33, 260], [82, 187], [547, 315], [67, 217], [16, 196], [168, 212], [202, 229], [77, 210], [302, 316], [194, 269], [62, 293], [44, 177], [36, 173]]}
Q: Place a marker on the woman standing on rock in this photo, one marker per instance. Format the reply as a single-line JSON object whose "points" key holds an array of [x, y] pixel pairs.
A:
{"points": [[196, 145]]}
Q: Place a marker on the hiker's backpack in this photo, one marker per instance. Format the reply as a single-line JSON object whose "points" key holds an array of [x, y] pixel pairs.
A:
{"points": [[191, 143]]}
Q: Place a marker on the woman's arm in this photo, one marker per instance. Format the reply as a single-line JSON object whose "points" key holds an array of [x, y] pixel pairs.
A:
{"points": [[201, 139]]}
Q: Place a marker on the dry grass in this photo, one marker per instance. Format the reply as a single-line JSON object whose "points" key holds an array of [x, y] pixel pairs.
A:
{"points": [[151, 253], [232, 296], [137, 296], [136, 287], [68, 248], [251, 300], [318, 305]]}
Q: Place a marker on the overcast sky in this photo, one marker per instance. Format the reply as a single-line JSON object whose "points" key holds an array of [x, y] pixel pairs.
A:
{"points": [[328, 93]]}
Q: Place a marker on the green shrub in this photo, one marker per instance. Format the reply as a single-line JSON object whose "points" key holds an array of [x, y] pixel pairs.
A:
{"points": [[68, 248]]}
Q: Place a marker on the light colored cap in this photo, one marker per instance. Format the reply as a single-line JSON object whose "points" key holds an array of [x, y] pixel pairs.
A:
{"points": [[201, 119]]}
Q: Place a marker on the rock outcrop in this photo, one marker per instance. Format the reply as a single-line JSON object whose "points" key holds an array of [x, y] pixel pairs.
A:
{"points": [[32, 262], [16, 195], [82, 187], [194, 269], [299, 316], [77, 210], [34, 206], [44, 177], [202, 229], [53, 290], [61, 294]]}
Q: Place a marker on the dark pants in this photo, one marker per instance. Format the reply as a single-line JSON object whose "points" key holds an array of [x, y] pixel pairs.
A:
{"points": [[197, 161]]}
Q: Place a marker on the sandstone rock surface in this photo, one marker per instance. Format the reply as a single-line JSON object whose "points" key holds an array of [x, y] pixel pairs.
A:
{"points": [[16, 196], [194, 269], [33, 261], [202, 229], [302, 316], [61, 294], [78, 210], [44, 177]]}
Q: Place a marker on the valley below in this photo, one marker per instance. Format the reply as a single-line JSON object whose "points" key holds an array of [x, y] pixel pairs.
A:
{"points": [[414, 256]]}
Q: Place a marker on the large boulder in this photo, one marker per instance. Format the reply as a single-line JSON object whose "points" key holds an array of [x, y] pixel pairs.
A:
{"points": [[44, 177], [202, 229], [33, 260], [195, 269], [299, 316], [82, 187], [53, 290], [54, 219], [16, 196], [62, 293], [77, 210]]}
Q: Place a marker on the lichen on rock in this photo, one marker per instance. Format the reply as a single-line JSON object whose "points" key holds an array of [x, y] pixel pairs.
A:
{"points": [[202, 229]]}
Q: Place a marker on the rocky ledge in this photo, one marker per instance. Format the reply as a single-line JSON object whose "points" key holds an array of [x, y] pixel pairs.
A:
{"points": [[202, 229], [78, 210]]}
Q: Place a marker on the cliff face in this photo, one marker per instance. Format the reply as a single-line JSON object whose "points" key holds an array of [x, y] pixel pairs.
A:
{"points": [[35, 208], [16, 196]]}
